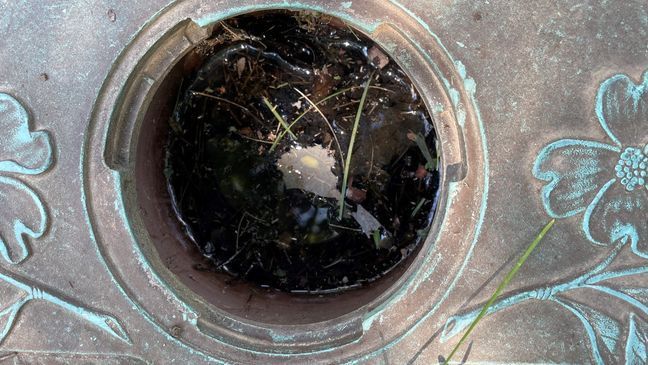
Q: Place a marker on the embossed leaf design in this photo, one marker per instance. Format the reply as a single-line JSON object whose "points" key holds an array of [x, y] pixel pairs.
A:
{"points": [[22, 215], [106, 323], [615, 213], [622, 109], [599, 327], [637, 297], [8, 316], [21, 150], [603, 332], [638, 294], [575, 171], [606, 328], [635, 349]]}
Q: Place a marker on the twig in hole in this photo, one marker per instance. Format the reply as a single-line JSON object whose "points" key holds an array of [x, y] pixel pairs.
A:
{"points": [[220, 99]]}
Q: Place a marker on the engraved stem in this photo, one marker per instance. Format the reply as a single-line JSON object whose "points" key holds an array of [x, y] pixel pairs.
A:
{"points": [[105, 322]]}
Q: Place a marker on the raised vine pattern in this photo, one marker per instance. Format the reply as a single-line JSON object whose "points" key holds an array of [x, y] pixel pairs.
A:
{"points": [[606, 182], [23, 216]]}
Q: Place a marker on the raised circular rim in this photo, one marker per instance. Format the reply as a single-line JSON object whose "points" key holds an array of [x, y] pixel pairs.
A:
{"points": [[454, 108]]}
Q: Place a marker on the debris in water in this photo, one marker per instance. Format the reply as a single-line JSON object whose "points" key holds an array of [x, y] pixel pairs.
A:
{"points": [[240, 66], [368, 223], [258, 144], [310, 169]]}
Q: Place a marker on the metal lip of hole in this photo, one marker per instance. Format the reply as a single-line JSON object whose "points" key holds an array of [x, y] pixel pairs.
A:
{"points": [[116, 150]]}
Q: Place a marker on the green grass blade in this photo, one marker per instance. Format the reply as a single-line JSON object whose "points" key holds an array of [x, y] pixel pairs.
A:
{"points": [[376, 238], [345, 179], [278, 116], [500, 288], [418, 207], [420, 142]]}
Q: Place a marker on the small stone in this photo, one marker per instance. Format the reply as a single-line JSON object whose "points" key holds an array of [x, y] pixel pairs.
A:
{"points": [[377, 57], [421, 172], [176, 331], [356, 195], [112, 16], [43, 77], [240, 66]]}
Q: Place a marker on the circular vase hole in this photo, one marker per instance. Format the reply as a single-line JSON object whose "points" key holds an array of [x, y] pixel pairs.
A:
{"points": [[289, 163]]}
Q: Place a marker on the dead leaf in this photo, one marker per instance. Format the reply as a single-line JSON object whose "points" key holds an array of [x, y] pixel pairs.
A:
{"points": [[368, 223], [246, 131]]}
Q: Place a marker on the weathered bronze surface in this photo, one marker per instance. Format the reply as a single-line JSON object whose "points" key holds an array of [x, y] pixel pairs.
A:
{"points": [[542, 112]]}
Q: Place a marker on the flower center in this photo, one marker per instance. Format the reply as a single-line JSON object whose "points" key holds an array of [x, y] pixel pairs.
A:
{"points": [[632, 168]]}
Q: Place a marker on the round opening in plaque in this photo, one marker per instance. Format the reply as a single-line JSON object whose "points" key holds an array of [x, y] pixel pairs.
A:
{"points": [[287, 168]]}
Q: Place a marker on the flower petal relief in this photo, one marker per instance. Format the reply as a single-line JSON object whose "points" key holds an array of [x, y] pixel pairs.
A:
{"points": [[607, 181], [22, 152]]}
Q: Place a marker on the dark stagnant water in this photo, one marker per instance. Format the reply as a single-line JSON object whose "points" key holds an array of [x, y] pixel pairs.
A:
{"points": [[267, 211]]}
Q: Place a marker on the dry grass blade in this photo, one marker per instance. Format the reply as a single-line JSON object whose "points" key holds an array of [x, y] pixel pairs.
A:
{"points": [[283, 133], [337, 142], [220, 99], [312, 107]]}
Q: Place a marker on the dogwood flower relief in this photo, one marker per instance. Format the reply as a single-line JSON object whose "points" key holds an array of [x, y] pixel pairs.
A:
{"points": [[607, 180]]}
